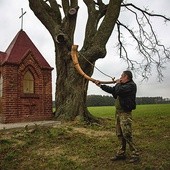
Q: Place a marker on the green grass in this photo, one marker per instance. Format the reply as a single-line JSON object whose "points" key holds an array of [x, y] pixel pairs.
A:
{"points": [[102, 111], [77, 146], [141, 110]]}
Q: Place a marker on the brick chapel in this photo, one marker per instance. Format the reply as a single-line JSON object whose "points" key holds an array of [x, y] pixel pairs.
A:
{"points": [[25, 82]]}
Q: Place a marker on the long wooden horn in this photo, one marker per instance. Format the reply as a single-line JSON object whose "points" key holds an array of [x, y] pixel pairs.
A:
{"points": [[74, 56]]}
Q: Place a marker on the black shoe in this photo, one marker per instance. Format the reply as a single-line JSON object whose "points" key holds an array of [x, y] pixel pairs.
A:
{"points": [[134, 160], [118, 157]]}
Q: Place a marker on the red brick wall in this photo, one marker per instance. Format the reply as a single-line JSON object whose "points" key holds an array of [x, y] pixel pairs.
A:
{"points": [[19, 107]]}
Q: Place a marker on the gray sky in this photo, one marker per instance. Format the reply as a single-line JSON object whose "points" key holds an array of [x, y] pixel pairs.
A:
{"points": [[10, 10]]}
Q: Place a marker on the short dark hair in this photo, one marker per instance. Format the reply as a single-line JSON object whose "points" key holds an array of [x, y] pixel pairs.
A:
{"points": [[129, 74]]}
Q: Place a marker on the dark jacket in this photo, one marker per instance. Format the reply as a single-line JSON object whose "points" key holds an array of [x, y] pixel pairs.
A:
{"points": [[126, 93]]}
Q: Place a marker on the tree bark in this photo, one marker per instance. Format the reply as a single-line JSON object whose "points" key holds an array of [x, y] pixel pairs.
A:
{"points": [[71, 89]]}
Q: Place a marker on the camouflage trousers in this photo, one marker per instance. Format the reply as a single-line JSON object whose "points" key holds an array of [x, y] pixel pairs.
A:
{"points": [[124, 131]]}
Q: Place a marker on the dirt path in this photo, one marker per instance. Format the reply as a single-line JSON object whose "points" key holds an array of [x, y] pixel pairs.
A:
{"points": [[24, 124]]}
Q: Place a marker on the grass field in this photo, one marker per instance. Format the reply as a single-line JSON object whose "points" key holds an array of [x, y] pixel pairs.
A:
{"points": [[77, 146], [141, 110]]}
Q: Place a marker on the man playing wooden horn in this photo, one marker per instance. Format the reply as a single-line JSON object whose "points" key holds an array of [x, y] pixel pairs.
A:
{"points": [[124, 93]]}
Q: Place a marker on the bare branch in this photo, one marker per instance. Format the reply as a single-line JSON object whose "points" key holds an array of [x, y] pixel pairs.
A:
{"points": [[92, 22], [96, 10], [69, 21], [65, 5], [145, 11], [97, 33], [108, 23], [43, 13], [153, 53]]}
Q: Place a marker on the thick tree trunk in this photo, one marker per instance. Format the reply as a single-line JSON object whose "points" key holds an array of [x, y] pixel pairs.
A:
{"points": [[71, 89]]}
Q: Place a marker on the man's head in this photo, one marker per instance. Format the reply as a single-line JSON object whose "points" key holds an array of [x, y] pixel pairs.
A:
{"points": [[126, 76]]}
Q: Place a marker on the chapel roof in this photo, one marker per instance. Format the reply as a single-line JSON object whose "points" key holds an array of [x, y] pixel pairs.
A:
{"points": [[2, 56], [16, 51]]}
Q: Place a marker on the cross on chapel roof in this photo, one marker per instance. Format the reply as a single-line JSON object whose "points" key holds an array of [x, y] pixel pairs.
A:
{"points": [[22, 16]]}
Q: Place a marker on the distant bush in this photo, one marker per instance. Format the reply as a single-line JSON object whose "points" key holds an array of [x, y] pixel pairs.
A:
{"points": [[99, 100], [105, 100]]}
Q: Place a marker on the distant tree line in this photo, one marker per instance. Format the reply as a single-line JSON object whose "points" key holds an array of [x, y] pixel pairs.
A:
{"points": [[100, 100]]}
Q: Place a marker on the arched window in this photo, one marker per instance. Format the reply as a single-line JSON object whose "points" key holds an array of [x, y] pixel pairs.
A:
{"points": [[1, 85], [28, 83]]}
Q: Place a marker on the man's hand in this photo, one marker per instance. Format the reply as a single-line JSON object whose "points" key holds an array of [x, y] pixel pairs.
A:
{"points": [[118, 81], [97, 82]]}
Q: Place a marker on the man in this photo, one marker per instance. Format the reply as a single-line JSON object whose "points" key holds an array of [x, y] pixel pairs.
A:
{"points": [[124, 93]]}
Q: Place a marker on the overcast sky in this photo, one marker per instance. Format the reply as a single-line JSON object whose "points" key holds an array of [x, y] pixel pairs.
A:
{"points": [[10, 10]]}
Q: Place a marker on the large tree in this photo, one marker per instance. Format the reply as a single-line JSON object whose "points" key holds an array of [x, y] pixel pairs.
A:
{"points": [[60, 19]]}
